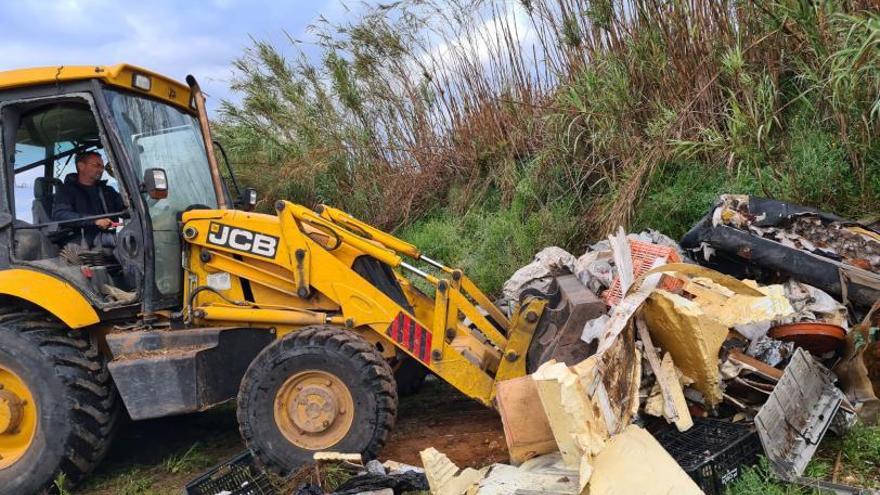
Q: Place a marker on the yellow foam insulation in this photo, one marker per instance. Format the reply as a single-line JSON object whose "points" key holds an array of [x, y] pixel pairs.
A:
{"points": [[732, 309], [590, 401], [692, 338], [549, 379], [633, 463], [692, 330]]}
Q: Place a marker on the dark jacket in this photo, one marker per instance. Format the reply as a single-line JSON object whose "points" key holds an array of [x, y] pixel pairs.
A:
{"points": [[74, 200]]}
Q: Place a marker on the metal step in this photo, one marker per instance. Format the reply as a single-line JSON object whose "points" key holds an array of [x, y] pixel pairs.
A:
{"points": [[165, 372]]}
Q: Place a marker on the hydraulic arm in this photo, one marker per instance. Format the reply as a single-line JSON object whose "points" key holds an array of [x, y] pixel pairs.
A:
{"points": [[311, 258]]}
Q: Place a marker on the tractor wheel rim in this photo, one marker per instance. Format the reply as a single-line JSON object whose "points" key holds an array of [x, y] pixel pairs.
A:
{"points": [[314, 409], [18, 418]]}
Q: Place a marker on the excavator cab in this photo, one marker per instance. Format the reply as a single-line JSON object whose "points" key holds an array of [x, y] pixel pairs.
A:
{"points": [[60, 290], [307, 318], [140, 133]]}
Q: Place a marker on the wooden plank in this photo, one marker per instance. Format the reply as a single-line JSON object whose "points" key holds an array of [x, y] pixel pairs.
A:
{"points": [[762, 369], [674, 405]]}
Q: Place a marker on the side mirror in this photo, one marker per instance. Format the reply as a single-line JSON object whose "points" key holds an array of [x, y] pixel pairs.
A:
{"points": [[155, 183], [249, 198]]}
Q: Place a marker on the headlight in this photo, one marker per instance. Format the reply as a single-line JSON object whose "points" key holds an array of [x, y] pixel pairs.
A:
{"points": [[141, 81]]}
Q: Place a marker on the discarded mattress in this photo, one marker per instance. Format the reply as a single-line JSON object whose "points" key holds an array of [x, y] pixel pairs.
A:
{"points": [[778, 241]]}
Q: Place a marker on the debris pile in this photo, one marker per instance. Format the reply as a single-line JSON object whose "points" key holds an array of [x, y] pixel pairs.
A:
{"points": [[684, 372], [684, 352], [370, 478]]}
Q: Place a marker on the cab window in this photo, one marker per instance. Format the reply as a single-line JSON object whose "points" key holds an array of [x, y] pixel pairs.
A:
{"points": [[47, 139], [25, 176]]}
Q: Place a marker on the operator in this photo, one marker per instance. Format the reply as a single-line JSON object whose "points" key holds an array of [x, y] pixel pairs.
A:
{"points": [[84, 194]]}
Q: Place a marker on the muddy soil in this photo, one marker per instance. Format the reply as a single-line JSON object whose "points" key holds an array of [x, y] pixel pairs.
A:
{"points": [[441, 417]]}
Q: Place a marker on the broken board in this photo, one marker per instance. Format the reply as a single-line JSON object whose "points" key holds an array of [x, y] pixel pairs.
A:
{"points": [[673, 407]]}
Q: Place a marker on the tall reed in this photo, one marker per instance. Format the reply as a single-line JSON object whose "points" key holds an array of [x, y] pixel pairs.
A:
{"points": [[628, 111]]}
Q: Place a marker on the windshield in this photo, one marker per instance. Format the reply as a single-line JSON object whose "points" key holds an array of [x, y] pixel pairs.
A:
{"points": [[158, 135]]}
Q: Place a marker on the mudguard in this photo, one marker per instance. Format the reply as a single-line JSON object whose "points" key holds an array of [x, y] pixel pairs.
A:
{"points": [[54, 295]]}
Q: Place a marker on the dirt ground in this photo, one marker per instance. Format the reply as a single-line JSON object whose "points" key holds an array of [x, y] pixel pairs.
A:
{"points": [[161, 456], [441, 417]]}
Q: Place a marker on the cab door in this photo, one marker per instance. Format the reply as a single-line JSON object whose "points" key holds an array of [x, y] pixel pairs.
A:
{"points": [[154, 134]]}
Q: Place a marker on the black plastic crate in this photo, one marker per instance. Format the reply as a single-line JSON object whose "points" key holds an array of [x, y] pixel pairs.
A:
{"points": [[713, 453], [239, 476]]}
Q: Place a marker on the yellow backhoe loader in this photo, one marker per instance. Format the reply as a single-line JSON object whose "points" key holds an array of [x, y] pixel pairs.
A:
{"points": [[305, 317]]}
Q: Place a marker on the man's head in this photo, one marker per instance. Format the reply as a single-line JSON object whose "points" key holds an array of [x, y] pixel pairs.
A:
{"points": [[89, 167]]}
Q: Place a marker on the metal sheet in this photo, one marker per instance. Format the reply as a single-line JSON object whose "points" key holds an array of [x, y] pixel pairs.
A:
{"points": [[797, 414]]}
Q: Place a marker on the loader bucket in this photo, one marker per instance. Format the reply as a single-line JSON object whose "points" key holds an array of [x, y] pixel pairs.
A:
{"points": [[558, 334]]}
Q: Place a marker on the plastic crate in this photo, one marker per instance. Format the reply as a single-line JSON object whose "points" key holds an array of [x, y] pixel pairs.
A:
{"points": [[237, 476], [713, 453], [643, 256]]}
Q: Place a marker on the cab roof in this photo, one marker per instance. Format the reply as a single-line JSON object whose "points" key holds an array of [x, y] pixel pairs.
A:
{"points": [[120, 75]]}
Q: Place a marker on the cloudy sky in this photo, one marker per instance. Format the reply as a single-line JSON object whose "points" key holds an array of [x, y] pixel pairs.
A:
{"points": [[173, 37]]}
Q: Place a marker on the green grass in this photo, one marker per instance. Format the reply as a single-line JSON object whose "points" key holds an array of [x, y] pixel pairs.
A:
{"points": [[680, 194], [860, 466], [491, 242], [758, 480], [136, 480], [60, 484], [334, 475], [490, 238], [158, 457], [861, 456], [190, 460]]}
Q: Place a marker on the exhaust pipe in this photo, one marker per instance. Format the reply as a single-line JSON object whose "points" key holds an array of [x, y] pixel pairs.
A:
{"points": [[199, 100]]}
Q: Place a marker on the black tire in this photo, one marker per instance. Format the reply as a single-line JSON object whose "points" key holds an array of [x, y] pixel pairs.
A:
{"points": [[410, 375], [332, 350], [76, 402]]}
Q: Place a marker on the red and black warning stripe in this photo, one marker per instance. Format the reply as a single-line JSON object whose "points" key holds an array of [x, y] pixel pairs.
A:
{"points": [[414, 337]]}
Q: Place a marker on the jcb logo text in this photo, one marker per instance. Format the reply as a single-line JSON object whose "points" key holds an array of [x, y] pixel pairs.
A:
{"points": [[243, 240]]}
